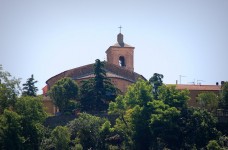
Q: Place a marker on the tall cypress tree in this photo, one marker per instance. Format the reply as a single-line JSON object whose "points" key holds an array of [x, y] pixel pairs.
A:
{"points": [[96, 93], [156, 81], [29, 88]]}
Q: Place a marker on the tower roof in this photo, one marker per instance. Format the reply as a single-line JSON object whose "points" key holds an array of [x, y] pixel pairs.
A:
{"points": [[120, 41]]}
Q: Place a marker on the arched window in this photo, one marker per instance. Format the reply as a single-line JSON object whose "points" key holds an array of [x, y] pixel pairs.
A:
{"points": [[122, 61]]}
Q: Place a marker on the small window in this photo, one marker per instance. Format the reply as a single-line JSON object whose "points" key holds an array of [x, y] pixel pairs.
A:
{"points": [[122, 61]]}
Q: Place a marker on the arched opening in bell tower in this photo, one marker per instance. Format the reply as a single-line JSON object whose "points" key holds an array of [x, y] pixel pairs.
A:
{"points": [[122, 61]]}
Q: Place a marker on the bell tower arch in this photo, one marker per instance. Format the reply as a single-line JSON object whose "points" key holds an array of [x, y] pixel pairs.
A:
{"points": [[121, 54]]}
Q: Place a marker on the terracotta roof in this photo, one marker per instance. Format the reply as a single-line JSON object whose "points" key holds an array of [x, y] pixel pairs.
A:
{"points": [[108, 74], [198, 87], [88, 71]]}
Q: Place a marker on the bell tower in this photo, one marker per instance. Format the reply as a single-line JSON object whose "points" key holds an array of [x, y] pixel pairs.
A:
{"points": [[121, 54]]}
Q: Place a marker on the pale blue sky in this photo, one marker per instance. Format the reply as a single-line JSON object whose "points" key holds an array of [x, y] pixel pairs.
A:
{"points": [[171, 37]]}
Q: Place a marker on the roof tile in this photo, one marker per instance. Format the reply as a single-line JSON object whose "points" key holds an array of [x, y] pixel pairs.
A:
{"points": [[88, 70], [198, 87]]}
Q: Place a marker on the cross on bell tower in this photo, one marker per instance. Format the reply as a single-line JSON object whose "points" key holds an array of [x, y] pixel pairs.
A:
{"points": [[120, 28], [120, 38]]}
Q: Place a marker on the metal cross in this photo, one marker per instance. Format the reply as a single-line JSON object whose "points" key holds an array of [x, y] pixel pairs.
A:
{"points": [[120, 28]]}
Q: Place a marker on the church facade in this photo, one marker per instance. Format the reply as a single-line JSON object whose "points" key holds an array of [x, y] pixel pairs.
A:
{"points": [[119, 68]]}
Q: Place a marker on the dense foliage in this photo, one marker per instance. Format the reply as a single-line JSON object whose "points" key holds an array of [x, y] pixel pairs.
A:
{"points": [[143, 119], [9, 89], [63, 92], [146, 123], [21, 118], [21, 128], [208, 100], [87, 129], [11, 136], [60, 137], [225, 95], [97, 92]]}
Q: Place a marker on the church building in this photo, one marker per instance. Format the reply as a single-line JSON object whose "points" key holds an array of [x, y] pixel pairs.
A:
{"points": [[119, 68]]}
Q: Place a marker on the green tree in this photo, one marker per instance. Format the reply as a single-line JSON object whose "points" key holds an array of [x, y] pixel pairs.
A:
{"points": [[145, 123], [87, 129], [156, 81], [31, 109], [134, 114], [165, 113], [190, 126], [225, 94], [9, 90], [208, 100], [175, 126], [87, 93], [96, 93], [47, 142], [11, 137], [163, 126], [61, 138], [29, 88], [173, 97], [62, 92], [118, 108], [213, 145], [105, 132], [32, 117], [223, 142], [197, 128]]}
